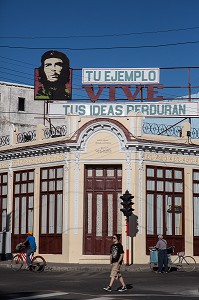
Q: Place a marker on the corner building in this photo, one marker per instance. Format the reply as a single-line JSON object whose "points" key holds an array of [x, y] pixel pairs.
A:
{"points": [[67, 189]]}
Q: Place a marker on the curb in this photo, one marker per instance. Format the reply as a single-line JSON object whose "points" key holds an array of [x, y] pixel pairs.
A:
{"points": [[78, 267], [61, 267]]}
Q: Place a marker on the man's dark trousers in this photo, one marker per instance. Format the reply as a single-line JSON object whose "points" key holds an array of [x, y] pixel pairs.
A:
{"points": [[162, 260]]}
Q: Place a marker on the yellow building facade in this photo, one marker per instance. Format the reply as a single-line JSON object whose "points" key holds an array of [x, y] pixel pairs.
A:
{"points": [[67, 189]]}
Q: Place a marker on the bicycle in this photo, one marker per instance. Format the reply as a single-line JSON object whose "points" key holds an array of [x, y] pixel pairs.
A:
{"points": [[182, 262], [38, 263]]}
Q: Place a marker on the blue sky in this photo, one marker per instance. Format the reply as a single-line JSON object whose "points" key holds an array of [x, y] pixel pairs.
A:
{"points": [[145, 27]]}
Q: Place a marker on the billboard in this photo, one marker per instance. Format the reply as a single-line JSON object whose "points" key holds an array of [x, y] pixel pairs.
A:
{"points": [[121, 76], [153, 109], [53, 79]]}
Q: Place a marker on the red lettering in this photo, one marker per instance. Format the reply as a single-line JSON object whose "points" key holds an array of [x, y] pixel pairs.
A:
{"points": [[91, 94], [128, 93], [151, 92], [112, 93]]}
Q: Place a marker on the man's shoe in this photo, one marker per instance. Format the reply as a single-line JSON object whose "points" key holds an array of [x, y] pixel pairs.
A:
{"points": [[123, 289], [108, 288]]}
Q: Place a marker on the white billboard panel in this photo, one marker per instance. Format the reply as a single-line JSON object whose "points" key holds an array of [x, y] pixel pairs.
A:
{"points": [[148, 109], [120, 76]]}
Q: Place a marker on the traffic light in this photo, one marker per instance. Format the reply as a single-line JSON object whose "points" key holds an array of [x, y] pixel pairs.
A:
{"points": [[127, 204]]}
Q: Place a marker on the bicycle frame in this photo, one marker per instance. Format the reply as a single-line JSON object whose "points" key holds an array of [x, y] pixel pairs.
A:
{"points": [[177, 262], [184, 262], [38, 263], [23, 256]]}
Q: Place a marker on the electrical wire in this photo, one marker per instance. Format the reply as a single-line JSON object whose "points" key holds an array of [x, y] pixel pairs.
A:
{"points": [[23, 62], [101, 35], [101, 48], [15, 71]]}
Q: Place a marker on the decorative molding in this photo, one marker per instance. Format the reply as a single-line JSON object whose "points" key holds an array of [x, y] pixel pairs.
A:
{"points": [[140, 190], [141, 160], [42, 151], [76, 193], [128, 170], [66, 192], [10, 189], [4, 165], [103, 150], [33, 160], [103, 125], [169, 158]]}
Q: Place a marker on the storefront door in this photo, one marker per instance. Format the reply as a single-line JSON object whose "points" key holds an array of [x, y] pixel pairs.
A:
{"points": [[102, 216], [165, 206]]}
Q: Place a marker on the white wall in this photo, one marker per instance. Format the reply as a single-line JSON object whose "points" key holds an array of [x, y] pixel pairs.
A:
{"points": [[22, 120]]}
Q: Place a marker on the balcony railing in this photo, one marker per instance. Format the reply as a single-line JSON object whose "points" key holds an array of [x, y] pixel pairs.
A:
{"points": [[4, 140], [54, 132], [161, 129], [195, 133], [26, 136]]}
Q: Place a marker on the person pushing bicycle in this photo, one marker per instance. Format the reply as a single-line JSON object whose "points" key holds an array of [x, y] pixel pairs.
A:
{"points": [[162, 254], [30, 241]]}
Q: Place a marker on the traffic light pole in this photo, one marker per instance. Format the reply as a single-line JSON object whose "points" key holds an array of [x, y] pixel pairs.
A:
{"points": [[127, 241], [127, 211]]}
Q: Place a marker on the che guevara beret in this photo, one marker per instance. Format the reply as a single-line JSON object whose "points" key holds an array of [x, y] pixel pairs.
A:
{"points": [[54, 54]]}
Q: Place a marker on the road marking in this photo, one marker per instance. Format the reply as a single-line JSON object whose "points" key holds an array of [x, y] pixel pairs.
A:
{"points": [[41, 296], [152, 295], [102, 298]]}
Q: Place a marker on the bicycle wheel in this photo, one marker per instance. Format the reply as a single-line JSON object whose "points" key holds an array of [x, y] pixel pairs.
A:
{"points": [[188, 263], [169, 262], [38, 264], [169, 266], [16, 263]]}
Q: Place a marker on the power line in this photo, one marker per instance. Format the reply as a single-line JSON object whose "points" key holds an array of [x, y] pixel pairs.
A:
{"points": [[16, 75], [101, 35], [23, 62], [15, 81], [13, 64], [15, 71], [101, 48]]}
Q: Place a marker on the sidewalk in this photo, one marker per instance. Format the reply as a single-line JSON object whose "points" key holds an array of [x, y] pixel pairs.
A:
{"points": [[83, 267], [96, 267]]}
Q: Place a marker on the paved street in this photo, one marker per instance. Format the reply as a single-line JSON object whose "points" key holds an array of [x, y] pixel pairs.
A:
{"points": [[88, 285]]}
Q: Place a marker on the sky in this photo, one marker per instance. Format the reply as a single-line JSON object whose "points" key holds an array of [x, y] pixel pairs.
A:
{"points": [[102, 34]]}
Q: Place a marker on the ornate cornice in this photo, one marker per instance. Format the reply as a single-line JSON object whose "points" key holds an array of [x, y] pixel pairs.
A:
{"points": [[165, 148], [79, 141], [33, 151], [99, 125]]}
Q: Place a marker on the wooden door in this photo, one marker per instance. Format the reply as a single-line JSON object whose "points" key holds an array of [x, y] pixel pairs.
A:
{"points": [[102, 216], [196, 212], [51, 210], [23, 206], [165, 206]]}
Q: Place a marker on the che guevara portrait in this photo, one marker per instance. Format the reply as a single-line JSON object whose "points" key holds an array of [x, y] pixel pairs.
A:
{"points": [[53, 77]]}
